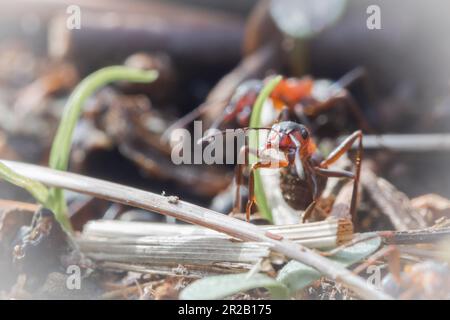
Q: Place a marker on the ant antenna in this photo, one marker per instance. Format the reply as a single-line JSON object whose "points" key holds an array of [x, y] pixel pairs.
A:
{"points": [[209, 137], [188, 118], [350, 77]]}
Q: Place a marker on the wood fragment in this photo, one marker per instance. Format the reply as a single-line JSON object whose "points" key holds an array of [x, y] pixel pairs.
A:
{"points": [[429, 235], [24, 206], [432, 206], [392, 202], [341, 205]]}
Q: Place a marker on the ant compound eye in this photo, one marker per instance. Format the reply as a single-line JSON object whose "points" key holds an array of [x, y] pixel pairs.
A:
{"points": [[304, 133]]}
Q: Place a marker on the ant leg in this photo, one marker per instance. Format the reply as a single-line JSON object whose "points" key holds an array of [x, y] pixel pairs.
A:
{"points": [[239, 175], [345, 96], [267, 163], [357, 74], [337, 174], [237, 207], [355, 109], [347, 99], [343, 148], [239, 172], [334, 173], [335, 155]]}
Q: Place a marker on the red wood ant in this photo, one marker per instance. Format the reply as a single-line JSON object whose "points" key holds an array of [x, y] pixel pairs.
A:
{"points": [[304, 171], [305, 98]]}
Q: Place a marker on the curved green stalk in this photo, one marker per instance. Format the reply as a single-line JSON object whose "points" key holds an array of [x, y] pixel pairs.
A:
{"points": [[255, 122], [60, 152]]}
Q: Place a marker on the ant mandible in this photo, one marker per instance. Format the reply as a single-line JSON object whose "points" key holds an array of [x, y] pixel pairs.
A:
{"points": [[304, 171]]}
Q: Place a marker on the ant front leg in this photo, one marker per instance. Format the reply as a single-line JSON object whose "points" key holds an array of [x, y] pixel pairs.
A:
{"points": [[239, 175], [345, 146], [267, 163]]}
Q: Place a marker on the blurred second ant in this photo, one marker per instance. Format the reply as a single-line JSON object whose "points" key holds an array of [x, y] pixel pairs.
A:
{"points": [[301, 99]]}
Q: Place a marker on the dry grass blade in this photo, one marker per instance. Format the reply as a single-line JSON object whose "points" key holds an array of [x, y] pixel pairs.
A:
{"points": [[159, 247], [199, 216], [324, 234]]}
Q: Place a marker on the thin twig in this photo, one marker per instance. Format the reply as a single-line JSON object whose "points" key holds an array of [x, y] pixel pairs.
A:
{"points": [[428, 235], [407, 142], [199, 216]]}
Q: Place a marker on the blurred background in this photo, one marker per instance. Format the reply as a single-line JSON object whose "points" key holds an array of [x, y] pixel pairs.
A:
{"points": [[196, 43]]}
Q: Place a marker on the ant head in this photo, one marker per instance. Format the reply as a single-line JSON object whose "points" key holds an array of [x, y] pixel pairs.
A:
{"points": [[289, 136]]}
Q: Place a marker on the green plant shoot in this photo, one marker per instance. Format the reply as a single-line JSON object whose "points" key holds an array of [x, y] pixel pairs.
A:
{"points": [[255, 122], [60, 152]]}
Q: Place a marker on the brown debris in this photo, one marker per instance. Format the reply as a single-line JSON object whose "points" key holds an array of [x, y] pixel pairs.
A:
{"points": [[392, 202], [432, 207]]}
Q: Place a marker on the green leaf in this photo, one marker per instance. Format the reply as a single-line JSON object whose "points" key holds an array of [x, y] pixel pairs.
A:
{"points": [[59, 155], [220, 287], [255, 122], [296, 275], [60, 152]]}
